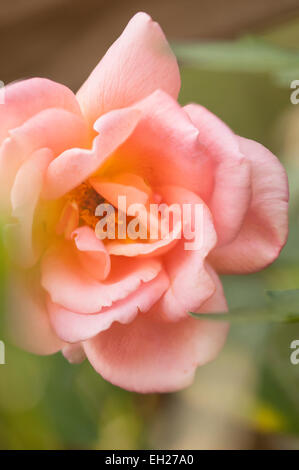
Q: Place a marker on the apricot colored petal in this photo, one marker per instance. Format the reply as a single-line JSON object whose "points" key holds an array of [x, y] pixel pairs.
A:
{"points": [[138, 63], [164, 148], [23, 99], [150, 355], [73, 327], [24, 198], [92, 253], [74, 166], [231, 195], [265, 228], [74, 289]]}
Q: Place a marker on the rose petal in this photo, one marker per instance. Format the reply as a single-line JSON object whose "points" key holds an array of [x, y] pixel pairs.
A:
{"points": [[137, 64], [10, 161], [24, 197], [170, 195], [74, 289], [57, 129], [74, 166], [53, 128], [150, 248], [190, 281], [150, 355], [73, 327], [25, 98], [265, 228], [164, 148], [92, 253], [128, 185], [231, 195], [69, 219]]}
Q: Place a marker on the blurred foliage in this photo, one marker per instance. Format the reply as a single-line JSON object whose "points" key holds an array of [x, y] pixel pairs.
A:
{"points": [[248, 54], [278, 307], [45, 403]]}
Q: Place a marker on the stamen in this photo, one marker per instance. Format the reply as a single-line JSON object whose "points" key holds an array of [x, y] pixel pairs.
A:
{"points": [[87, 200]]}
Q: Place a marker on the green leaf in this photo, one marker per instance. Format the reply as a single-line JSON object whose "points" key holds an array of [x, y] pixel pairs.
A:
{"points": [[281, 307], [248, 54]]}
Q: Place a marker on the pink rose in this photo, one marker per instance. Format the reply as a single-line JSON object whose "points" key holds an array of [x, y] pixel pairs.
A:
{"points": [[124, 304]]}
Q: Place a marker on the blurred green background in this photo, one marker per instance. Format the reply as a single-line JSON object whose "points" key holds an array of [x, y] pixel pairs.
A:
{"points": [[248, 398]]}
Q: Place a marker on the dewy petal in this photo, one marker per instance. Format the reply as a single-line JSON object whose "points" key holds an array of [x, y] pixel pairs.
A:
{"points": [[74, 289], [73, 327], [24, 198], [74, 166], [150, 355], [25, 98], [28, 321], [92, 253], [265, 228], [137, 64], [231, 195], [164, 148]]}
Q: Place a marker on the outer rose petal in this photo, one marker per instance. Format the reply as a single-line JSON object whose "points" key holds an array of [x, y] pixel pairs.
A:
{"points": [[56, 129], [53, 128], [190, 283], [28, 320], [24, 198], [265, 228], [231, 195], [74, 166], [10, 161], [217, 302], [137, 64], [164, 148], [25, 98], [150, 355], [72, 288], [73, 327]]}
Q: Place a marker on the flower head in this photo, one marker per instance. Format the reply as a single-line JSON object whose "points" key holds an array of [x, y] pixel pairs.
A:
{"points": [[124, 303]]}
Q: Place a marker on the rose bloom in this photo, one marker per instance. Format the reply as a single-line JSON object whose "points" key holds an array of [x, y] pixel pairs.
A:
{"points": [[124, 304]]}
